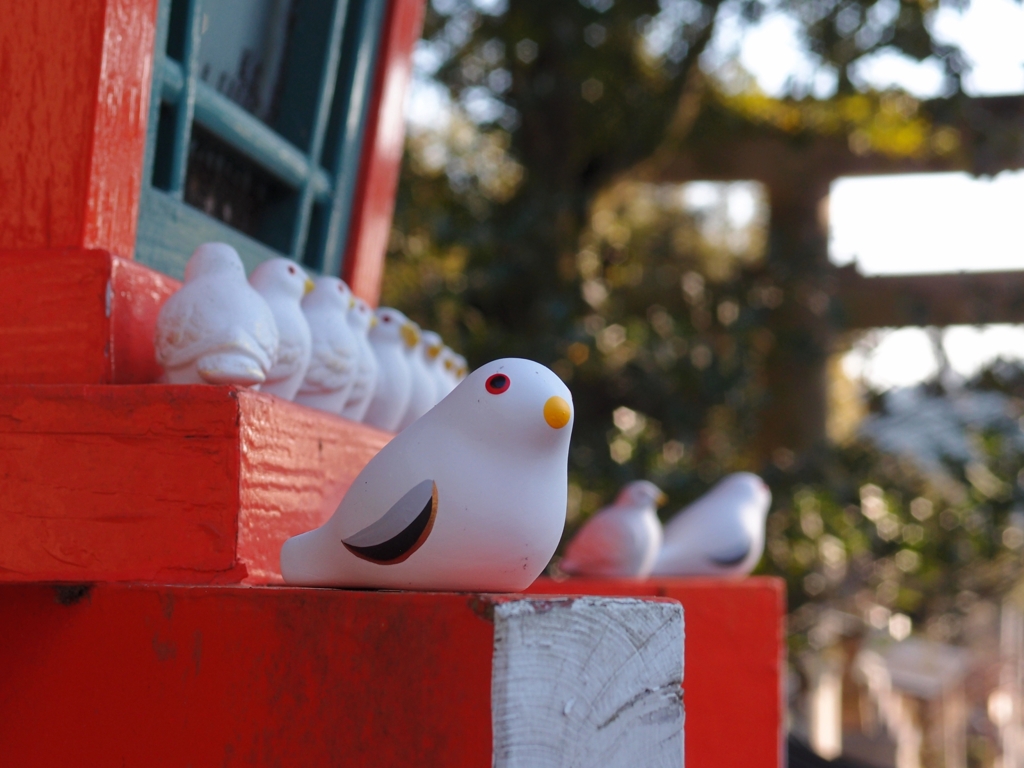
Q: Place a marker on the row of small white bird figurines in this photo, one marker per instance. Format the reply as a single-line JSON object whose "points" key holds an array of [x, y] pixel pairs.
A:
{"points": [[313, 342], [720, 534], [472, 496]]}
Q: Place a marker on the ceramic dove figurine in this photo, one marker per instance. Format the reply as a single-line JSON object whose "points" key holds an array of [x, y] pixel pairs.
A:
{"points": [[721, 533], [332, 366], [282, 284], [424, 390], [445, 372], [393, 338], [621, 540], [470, 497], [461, 368], [216, 329], [360, 320], [432, 345]]}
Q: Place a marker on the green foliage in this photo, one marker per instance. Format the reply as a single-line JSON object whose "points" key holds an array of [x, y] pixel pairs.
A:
{"points": [[518, 233]]}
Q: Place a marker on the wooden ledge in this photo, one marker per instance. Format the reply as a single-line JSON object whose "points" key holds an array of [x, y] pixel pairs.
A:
{"points": [[735, 662], [212, 676], [159, 483]]}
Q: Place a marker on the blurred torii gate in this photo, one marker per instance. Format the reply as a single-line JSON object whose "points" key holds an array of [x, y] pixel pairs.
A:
{"points": [[821, 300]]}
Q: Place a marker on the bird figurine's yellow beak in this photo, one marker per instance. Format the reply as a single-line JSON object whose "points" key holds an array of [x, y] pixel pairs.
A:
{"points": [[434, 351], [662, 499], [557, 412], [373, 321], [351, 302], [410, 335], [309, 286]]}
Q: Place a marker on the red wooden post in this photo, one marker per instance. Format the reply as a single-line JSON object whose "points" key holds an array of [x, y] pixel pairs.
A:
{"points": [[382, 153], [75, 88], [735, 662]]}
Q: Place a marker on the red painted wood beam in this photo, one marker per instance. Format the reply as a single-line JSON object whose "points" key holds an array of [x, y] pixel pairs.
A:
{"points": [[735, 662], [179, 484], [243, 677], [74, 84], [235, 676], [78, 317], [374, 205]]}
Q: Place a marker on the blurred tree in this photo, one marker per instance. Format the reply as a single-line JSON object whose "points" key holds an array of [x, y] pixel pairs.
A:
{"points": [[524, 228]]}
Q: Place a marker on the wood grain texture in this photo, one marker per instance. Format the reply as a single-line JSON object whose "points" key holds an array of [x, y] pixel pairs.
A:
{"points": [[588, 681], [78, 317], [735, 662], [374, 204], [111, 483], [162, 483], [238, 676], [74, 82], [297, 464]]}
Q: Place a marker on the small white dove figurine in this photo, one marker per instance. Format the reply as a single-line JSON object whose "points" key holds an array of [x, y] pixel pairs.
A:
{"points": [[470, 497], [216, 329], [721, 533], [445, 372], [621, 540], [424, 390], [282, 284], [360, 320], [332, 366], [393, 339], [431, 346], [461, 368]]}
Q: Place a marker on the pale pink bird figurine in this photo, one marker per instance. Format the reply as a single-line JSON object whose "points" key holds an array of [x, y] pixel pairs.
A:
{"points": [[621, 540]]}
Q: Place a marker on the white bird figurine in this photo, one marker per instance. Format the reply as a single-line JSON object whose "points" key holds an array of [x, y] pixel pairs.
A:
{"points": [[470, 497], [432, 345], [332, 367], [461, 368], [444, 373], [393, 338], [424, 390], [721, 533], [282, 284], [620, 540], [216, 329], [361, 319]]}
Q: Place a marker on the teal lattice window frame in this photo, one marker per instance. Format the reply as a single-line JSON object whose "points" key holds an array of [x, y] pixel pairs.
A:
{"points": [[312, 149]]}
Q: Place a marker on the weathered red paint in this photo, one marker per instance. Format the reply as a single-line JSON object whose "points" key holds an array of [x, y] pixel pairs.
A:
{"points": [[78, 317], [374, 204], [735, 662], [237, 676], [74, 85], [164, 483]]}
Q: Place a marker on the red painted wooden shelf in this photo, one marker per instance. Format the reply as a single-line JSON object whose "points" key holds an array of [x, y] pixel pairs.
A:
{"points": [[78, 317], [174, 484], [240, 676], [735, 663]]}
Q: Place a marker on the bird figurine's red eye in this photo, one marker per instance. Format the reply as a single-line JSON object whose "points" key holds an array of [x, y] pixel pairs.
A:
{"points": [[291, 270], [497, 383]]}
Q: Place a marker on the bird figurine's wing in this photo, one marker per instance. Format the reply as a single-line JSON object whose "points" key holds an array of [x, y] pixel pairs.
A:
{"points": [[187, 328], [180, 332], [603, 547], [727, 545], [400, 531], [331, 366]]}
